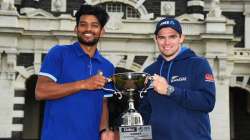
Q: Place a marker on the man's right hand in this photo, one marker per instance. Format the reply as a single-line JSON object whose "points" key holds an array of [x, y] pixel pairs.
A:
{"points": [[47, 89], [95, 82]]}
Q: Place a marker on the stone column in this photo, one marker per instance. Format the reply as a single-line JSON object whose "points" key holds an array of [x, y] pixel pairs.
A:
{"points": [[247, 23], [196, 8], [8, 44], [7, 77], [218, 35]]}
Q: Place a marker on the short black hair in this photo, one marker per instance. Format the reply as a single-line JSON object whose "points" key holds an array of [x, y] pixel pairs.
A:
{"points": [[94, 10]]}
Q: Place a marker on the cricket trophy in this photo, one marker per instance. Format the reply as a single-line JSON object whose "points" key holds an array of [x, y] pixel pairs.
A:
{"points": [[129, 84]]}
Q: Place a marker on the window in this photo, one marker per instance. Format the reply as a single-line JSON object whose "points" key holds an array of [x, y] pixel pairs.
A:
{"points": [[140, 59], [25, 59], [129, 11], [113, 7], [239, 78]]}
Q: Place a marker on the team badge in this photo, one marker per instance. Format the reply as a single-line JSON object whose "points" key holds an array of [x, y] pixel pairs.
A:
{"points": [[209, 77]]}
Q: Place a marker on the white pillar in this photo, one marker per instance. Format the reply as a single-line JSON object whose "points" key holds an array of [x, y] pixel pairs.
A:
{"points": [[220, 119], [8, 45], [6, 106], [7, 100], [247, 23]]}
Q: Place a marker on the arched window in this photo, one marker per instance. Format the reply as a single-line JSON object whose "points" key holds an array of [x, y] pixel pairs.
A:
{"points": [[129, 11]]}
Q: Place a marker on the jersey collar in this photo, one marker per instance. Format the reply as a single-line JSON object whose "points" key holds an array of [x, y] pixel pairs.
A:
{"points": [[80, 52]]}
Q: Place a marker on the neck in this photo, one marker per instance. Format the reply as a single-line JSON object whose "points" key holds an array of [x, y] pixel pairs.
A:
{"points": [[89, 50]]}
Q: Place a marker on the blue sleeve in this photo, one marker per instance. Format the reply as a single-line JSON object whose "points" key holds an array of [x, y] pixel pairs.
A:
{"points": [[109, 85], [51, 66], [202, 95]]}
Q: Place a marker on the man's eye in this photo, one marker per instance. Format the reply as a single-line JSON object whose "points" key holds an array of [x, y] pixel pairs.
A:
{"points": [[82, 25], [95, 25], [160, 37], [173, 37]]}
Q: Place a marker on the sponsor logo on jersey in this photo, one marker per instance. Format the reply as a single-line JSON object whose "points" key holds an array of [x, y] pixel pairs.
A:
{"points": [[209, 77], [178, 79]]}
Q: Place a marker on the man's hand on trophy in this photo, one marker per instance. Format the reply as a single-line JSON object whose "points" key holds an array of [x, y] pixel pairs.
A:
{"points": [[160, 84], [94, 82]]}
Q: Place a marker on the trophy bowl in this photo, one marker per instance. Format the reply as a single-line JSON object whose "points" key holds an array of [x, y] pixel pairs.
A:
{"points": [[129, 81], [130, 84]]}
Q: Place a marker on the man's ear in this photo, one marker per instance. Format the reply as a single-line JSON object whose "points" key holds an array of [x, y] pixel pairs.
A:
{"points": [[75, 29], [182, 39], [102, 31], [155, 38]]}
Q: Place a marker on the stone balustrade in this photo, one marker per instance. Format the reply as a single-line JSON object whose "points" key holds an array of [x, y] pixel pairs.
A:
{"points": [[242, 54]]}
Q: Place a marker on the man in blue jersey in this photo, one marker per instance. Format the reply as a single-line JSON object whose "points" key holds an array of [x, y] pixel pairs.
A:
{"points": [[183, 89], [71, 81]]}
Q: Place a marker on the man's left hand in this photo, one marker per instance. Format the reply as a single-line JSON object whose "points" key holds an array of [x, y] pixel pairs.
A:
{"points": [[160, 84], [107, 135]]}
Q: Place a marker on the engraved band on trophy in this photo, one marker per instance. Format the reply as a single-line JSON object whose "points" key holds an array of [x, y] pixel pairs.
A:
{"points": [[128, 84]]}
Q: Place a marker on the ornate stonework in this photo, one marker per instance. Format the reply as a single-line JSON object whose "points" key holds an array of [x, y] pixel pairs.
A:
{"points": [[215, 9], [7, 5], [167, 8], [58, 5], [115, 21]]}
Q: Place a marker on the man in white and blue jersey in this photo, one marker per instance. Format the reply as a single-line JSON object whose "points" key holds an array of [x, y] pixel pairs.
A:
{"points": [[69, 82]]}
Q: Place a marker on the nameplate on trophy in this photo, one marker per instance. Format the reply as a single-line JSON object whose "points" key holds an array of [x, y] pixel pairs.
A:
{"points": [[143, 132]]}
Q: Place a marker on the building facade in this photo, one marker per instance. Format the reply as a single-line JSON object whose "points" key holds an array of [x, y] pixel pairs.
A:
{"points": [[215, 29]]}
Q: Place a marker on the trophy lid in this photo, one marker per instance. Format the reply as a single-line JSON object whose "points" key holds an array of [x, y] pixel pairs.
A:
{"points": [[129, 81]]}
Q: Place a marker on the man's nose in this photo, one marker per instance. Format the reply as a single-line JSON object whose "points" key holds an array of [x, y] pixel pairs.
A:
{"points": [[88, 28], [167, 40]]}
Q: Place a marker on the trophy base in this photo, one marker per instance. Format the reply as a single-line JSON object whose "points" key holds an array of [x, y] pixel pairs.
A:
{"points": [[139, 132]]}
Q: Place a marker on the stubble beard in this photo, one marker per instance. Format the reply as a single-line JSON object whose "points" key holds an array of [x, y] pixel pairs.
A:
{"points": [[170, 55], [88, 43]]}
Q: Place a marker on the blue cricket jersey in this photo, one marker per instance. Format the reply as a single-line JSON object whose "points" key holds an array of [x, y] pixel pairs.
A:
{"points": [[77, 116]]}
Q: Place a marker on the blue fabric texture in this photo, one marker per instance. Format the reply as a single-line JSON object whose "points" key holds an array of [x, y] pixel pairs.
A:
{"points": [[184, 115], [74, 117]]}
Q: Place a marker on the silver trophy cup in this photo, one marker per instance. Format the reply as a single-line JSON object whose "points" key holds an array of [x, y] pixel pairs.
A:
{"points": [[129, 84]]}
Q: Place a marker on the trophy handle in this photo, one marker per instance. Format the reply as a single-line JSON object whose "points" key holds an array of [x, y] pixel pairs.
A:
{"points": [[108, 79], [149, 81], [114, 91], [99, 72], [119, 95]]}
